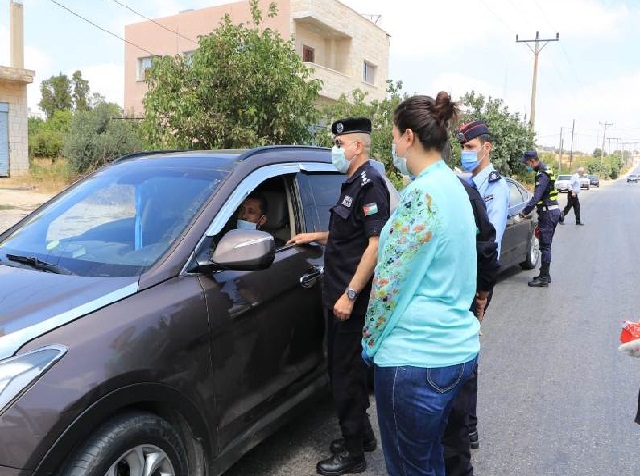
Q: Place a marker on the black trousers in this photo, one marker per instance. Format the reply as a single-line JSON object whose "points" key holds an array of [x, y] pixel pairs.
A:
{"points": [[457, 454], [572, 202], [348, 375]]}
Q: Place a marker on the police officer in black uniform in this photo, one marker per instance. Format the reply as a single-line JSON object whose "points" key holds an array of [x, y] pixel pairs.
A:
{"points": [[545, 200], [350, 258]]}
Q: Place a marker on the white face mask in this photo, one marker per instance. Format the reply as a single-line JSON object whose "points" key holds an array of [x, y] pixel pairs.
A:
{"points": [[399, 162], [246, 225], [339, 160]]}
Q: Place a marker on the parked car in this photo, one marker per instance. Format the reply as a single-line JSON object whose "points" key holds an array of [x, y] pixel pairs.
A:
{"points": [[585, 182], [563, 183], [519, 243], [141, 333], [633, 178], [594, 181]]}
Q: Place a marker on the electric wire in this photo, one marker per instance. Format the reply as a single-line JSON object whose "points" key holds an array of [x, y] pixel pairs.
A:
{"points": [[155, 22], [101, 28]]}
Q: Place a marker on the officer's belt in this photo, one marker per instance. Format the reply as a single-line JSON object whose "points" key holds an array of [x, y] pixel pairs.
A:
{"points": [[546, 208]]}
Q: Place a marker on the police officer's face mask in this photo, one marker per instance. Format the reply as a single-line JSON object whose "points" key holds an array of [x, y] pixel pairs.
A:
{"points": [[338, 159]]}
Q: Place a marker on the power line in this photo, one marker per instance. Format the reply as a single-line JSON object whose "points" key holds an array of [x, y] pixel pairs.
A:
{"points": [[156, 22], [99, 27], [566, 54]]}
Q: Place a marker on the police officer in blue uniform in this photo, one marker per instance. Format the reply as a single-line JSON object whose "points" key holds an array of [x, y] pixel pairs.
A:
{"points": [[475, 139], [475, 157], [350, 257], [545, 200]]}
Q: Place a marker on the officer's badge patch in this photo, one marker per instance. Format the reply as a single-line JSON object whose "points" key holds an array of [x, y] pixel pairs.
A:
{"points": [[494, 175], [370, 209], [339, 127], [348, 201]]}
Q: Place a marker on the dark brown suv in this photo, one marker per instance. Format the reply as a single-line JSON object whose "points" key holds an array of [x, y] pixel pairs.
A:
{"points": [[142, 333]]}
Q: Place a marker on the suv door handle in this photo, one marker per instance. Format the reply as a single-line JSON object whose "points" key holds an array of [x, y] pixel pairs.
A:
{"points": [[309, 279]]}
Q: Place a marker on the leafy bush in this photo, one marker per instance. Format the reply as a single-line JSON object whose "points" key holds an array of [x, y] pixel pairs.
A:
{"points": [[98, 136]]}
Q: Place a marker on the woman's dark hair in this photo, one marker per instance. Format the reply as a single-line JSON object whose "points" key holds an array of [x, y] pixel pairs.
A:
{"points": [[428, 118]]}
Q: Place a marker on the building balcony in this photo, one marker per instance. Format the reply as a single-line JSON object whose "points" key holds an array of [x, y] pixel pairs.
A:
{"points": [[335, 83]]}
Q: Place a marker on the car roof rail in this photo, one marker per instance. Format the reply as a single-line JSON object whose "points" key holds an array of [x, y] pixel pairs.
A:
{"points": [[133, 155], [265, 148]]}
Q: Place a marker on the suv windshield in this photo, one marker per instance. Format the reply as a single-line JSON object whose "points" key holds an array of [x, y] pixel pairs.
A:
{"points": [[564, 177], [118, 222]]}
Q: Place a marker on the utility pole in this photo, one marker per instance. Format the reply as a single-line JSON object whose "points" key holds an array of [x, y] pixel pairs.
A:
{"points": [[536, 51], [604, 134], [573, 127], [560, 153], [610, 139]]}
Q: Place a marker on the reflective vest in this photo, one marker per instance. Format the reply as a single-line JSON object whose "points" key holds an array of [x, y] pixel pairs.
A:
{"points": [[550, 195]]}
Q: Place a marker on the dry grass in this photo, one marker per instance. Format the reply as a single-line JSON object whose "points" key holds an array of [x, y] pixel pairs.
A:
{"points": [[45, 176]]}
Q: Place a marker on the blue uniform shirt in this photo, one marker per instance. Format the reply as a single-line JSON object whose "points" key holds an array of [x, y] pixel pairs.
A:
{"points": [[494, 190]]}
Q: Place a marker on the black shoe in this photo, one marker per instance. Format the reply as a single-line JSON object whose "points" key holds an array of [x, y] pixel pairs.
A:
{"points": [[579, 223], [342, 463], [474, 442], [539, 282], [561, 222], [561, 219], [337, 446]]}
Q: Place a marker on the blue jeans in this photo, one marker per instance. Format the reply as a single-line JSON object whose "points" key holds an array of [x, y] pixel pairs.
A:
{"points": [[413, 404]]}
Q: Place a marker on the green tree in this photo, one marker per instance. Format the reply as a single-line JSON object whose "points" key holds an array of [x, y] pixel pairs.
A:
{"points": [[55, 94], [511, 135], [80, 93], [244, 86], [46, 138], [381, 115], [99, 135]]}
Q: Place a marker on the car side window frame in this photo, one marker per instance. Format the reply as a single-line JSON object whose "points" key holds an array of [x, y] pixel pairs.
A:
{"points": [[242, 191]]}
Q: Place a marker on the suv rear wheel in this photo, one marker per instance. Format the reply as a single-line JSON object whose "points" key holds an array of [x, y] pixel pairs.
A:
{"points": [[132, 444]]}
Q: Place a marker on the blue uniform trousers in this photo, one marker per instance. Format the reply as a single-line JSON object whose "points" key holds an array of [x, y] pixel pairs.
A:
{"points": [[547, 222]]}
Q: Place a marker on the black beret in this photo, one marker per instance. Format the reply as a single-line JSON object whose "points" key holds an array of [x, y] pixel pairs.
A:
{"points": [[529, 155], [471, 130], [349, 125]]}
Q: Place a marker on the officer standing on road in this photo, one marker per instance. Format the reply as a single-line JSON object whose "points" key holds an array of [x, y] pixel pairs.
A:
{"points": [[475, 157], [350, 257], [545, 200], [572, 197]]}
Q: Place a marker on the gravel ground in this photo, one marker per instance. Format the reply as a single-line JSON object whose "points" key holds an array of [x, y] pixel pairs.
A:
{"points": [[17, 203]]}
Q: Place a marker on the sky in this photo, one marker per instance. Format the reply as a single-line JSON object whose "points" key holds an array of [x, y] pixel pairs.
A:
{"points": [[590, 76]]}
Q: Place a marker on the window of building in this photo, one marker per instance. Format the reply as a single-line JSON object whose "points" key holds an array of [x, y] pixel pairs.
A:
{"points": [[369, 73], [308, 54], [144, 65]]}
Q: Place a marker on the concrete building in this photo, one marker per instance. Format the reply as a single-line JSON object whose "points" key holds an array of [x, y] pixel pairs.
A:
{"points": [[14, 145], [347, 50]]}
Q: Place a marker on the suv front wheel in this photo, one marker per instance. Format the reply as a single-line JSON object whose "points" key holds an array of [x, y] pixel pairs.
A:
{"points": [[132, 444]]}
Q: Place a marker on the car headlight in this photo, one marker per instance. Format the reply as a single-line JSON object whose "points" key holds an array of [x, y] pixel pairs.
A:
{"points": [[19, 373]]}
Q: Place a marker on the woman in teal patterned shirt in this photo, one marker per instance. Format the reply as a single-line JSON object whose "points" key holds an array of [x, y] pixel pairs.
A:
{"points": [[418, 330]]}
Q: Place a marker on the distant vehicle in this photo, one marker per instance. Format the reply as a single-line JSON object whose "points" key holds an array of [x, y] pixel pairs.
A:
{"points": [[633, 178], [585, 182], [594, 181], [563, 183]]}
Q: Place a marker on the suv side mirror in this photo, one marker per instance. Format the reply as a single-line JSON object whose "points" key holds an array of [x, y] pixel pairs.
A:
{"points": [[241, 250]]}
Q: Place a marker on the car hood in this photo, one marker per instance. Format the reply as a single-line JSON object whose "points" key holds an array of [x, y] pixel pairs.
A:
{"points": [[33, 303]]}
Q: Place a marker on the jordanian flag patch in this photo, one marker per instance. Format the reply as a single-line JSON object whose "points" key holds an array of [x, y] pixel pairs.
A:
{"points": [[370, 209]]}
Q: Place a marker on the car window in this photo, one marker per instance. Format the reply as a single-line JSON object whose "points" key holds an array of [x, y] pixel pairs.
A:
{"points": [[515, 195], [564, 177], [319, 192], [118, 222]]}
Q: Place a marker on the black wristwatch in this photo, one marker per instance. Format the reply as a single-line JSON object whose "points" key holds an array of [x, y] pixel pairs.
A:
{"points": [[352, 294]]}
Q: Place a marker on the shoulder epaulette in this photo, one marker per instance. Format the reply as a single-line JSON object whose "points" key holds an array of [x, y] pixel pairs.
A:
{"points": [[494, 175]]}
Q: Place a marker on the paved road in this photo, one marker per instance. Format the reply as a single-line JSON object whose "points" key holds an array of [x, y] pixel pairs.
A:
{"points": [[17, 203], [556, 397]]}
